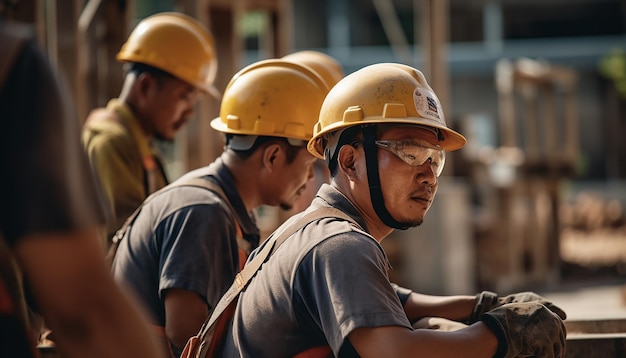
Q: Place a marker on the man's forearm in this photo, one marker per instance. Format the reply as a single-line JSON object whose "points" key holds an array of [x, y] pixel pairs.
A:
{"points": [[457, 308]]}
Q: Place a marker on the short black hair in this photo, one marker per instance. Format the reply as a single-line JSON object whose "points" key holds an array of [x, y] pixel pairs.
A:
{"points": [[263, 141], [138, 68]]}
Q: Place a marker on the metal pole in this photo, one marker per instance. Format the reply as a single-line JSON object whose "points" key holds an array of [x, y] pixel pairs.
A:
{"points": [[83, 61], [434, 38], [393, 30]]}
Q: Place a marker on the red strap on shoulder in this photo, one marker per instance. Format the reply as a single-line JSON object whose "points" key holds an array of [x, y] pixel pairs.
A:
{"points": [[243, 257], [315, 352]]}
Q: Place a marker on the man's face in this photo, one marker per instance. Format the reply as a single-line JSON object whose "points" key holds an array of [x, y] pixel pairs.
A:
{"points": [[289, 180], [171, 105], [408, 190]]}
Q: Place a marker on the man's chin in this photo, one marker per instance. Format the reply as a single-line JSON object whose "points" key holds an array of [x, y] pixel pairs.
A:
{"points": [[413, 223], [286, 206]]}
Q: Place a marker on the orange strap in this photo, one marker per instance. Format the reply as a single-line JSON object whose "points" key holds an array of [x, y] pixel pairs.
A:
{"points": [[6, 304], [221, 327], [243, 256], [315, 352]]}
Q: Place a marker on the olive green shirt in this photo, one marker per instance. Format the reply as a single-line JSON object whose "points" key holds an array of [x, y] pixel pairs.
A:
{"points": [[124, 161]]}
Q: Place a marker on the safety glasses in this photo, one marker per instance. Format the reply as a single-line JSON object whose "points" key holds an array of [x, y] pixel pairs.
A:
{"points": [[416, 153]]}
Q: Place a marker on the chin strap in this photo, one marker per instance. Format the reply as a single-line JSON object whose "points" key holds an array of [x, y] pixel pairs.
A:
{"points": [[376, 194]]}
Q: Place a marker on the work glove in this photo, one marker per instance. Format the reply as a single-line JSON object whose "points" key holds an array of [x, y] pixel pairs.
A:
{"points": [[439, 324], [487, 300], [526, 329]]}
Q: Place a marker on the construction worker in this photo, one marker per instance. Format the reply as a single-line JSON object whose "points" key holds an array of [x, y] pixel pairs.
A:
{"points": [[331, 71], [326, 289], [187, 243], [49, 218], [170, 61]]}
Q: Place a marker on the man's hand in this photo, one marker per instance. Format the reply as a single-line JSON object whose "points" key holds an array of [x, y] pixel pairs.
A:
{"points": [[532, 297], [487, 300], [526, 329]]}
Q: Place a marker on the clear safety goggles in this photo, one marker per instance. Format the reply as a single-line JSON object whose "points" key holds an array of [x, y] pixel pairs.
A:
{"points": [[416, 153]]}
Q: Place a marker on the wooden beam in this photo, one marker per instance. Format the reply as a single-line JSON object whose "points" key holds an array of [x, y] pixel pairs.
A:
{"points": [[611, 325], [596, 345], [85, 63], [99, 36]]}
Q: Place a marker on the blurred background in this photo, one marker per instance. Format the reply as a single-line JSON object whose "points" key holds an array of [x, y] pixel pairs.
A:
{"points": [[534, 201]]}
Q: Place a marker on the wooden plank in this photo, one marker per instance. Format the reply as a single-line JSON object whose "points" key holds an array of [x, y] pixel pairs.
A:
{"points": [[617, 325], [607, 345], [596, 338]]}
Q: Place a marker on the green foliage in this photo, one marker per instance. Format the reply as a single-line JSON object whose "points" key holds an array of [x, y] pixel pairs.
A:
{"points": [[253, 23], [144, 8], [613, 67]]}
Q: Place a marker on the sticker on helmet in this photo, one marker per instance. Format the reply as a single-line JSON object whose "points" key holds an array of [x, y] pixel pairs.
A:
{"points": [[427, 105]]}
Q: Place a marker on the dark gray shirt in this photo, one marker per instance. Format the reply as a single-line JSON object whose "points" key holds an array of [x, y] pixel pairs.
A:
{"points": [[185, 238], [326, 280]]}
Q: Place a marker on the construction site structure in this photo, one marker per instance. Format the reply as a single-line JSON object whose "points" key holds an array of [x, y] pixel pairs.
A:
{"points": [[82, 37], [520, 181]]}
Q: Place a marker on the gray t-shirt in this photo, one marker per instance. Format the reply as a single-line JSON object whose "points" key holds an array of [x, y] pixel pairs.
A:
{"points": [[322, 283], [185, 238]]}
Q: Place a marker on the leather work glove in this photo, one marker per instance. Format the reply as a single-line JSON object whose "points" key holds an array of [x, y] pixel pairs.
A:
{"points": [[487, 300], [526, 329], [438, 324]]}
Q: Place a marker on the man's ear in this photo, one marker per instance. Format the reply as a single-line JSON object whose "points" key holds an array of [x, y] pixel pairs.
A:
{"points": [[270, 154], [144, 84], [346, 160]]}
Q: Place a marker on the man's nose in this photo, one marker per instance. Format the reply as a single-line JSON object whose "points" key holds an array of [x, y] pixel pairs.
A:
{"points": [[427, 173]]}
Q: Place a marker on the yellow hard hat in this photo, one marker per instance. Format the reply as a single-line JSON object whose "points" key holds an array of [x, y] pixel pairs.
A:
{"points": [[326, 66], [177, 44], [272, 98], [382, 93]]}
